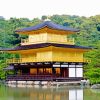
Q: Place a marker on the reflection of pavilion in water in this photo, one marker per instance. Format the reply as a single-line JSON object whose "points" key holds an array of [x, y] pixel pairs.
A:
{"points": [[47, 94], [65, 95]]}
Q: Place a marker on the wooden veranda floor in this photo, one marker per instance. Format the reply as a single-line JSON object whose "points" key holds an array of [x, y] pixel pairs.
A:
{"points": [[40, 78]]}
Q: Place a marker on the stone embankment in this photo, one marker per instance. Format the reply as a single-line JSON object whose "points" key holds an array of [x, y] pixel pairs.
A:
{"points": [[41, 83]]}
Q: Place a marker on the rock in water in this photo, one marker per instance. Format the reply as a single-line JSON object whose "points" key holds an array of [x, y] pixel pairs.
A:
{"points": [[95, 86]]}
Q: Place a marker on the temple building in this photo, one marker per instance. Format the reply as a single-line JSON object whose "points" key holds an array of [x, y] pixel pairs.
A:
{"points": [[47, 54]]}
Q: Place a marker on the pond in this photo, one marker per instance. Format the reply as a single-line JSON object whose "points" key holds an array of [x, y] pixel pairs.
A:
{"points": [[51, 93]]}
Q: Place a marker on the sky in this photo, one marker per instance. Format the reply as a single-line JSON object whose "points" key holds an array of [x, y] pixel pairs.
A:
{"points": [[36, 8]]}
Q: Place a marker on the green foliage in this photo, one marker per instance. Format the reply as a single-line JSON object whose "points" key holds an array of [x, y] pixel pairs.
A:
{"points": [[92, 70], [2, 72], [89, 35], [44, 17]]}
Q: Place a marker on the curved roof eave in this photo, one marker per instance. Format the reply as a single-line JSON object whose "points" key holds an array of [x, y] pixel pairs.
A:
{"points": [[48, 24], [43, 45]]}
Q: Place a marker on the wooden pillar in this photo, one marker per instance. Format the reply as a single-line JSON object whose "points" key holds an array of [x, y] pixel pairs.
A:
{"points": [[37, 71]]}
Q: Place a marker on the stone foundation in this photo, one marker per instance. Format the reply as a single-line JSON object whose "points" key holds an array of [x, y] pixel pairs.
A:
{"points": [[39, 83]]}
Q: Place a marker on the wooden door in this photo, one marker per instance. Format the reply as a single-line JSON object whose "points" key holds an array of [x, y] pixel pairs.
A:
{"points": [[64, 72]]}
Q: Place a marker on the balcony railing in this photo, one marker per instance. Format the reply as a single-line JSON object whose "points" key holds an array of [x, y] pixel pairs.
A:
{"points": [[59, 59], [40, 77], [86, 60], [68, 41], [20, 60], [24, 40]]}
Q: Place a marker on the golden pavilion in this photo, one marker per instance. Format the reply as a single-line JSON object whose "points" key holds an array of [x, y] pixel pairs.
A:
{"points": [[47, 54]]}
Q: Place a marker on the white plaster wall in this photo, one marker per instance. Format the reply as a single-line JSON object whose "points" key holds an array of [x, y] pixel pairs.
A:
{"points": [[79, 72], [71, 72]]}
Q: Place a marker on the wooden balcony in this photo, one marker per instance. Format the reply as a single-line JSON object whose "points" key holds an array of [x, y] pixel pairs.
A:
{"points": [[86, 60], [67, 41], [29, 77], [26, 60], [70, 41], [19, 60], [40, 78]]}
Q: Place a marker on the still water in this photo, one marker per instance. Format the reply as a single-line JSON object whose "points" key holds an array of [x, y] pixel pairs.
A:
{"points": [[43, 93]]}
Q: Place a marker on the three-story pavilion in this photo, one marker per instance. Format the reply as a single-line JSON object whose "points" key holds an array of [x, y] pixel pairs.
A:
{"points": [[47, 54]]}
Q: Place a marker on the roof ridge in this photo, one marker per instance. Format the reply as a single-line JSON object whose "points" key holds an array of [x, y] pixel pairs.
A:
{"points": [[48, 24]]}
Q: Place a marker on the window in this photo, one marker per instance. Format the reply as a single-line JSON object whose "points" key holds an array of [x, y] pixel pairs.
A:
{"points": [[71, 72], [57, 70], [33, 71], [48, 71], [79, 72], [40, 71]]}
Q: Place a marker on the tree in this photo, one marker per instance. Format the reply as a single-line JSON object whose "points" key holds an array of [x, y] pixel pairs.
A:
{"points": [[43, 17], [92, 70]]}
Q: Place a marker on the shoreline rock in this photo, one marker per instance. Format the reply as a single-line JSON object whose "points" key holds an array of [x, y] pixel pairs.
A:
{"points": [[95, 86]]}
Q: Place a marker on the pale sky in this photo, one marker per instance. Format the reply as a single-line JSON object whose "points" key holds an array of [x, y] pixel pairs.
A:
{"points": [[36, 8]]}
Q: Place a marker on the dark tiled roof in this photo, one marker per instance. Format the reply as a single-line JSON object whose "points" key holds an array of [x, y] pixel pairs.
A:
{"points": [[47, 24], [42, 45]]}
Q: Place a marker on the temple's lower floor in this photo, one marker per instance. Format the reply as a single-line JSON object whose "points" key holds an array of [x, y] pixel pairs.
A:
{"points": [[47, 71]]}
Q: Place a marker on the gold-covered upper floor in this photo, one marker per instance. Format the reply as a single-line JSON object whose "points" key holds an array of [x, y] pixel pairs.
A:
{"points": [[49, 54], [47, 38]]}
